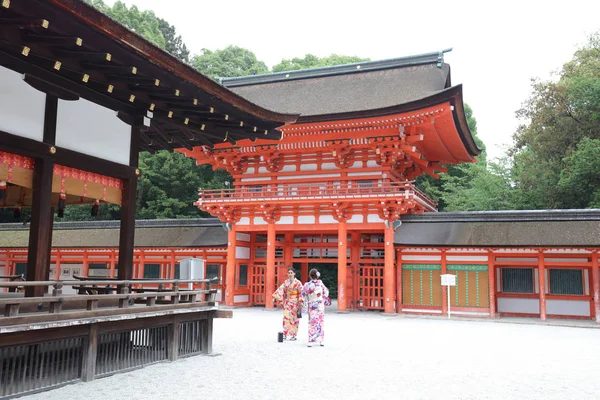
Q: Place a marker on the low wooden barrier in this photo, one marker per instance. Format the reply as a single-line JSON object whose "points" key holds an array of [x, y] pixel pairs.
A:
{"points": [[54, 340]]}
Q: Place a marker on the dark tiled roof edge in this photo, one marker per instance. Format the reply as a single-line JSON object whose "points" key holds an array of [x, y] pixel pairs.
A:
{"points": [[507, 216], [420, 59], [114, 224]]}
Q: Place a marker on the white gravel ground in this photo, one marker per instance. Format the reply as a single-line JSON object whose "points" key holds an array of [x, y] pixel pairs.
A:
{"points": [[369, 356]]}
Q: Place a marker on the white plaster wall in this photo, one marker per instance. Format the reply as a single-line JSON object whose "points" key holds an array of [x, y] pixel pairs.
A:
{"points": [[308, 167], [245, 237], [568, 307], [244, 221], [88, 128], [306, 219], [328, 166], [282, 178], [240, 298], [357, 218], [586, 279], [523, 306], [255, 179], [326, 219], [288, 168], [22, 108], [262, 170], [372, 163], [242, 253], [285, 220], [259, 221], [466, 258], [364, 173], [421, 258], [374, 218]]}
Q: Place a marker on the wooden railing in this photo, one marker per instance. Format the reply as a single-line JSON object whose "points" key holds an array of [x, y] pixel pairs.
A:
{"points": [[287, 191], [128, 293]]}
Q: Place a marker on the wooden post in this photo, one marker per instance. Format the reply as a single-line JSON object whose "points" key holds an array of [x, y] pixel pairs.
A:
{"points": [[542, 284], [596, 284], [40, 231], [342, 265], [173, 335], [304, 272], [399, 281], [355, 261], [207, 333], [90, 353], [492, 283], [270, 270], [128, 208], [388, 270], [444, 288], [230, 268]]}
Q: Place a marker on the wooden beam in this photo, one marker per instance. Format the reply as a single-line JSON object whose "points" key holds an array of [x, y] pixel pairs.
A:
{"points": [[39, 233], [99, 97], [68, 158], [128, 209]]}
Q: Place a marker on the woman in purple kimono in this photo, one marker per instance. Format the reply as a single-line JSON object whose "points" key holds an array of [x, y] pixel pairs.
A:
{"points": [[314, 293]]}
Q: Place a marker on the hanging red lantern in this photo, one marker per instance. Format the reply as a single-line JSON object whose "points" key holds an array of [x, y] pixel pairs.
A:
{"points": [[62, 202], [2, 190], [95, 208]]}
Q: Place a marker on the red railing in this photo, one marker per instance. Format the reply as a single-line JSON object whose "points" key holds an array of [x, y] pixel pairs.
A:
{"points": [[287, 191]]}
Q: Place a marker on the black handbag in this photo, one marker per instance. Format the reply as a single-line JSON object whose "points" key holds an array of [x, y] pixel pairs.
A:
{"points": [[299, 313]]}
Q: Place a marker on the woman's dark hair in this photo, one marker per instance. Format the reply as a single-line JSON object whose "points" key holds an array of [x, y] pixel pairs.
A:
{"points": [[292, 270], [313, 274]]}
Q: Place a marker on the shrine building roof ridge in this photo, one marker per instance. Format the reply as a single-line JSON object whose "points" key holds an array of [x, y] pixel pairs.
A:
{"points": [[436, 57], [507, 216], [114, 224]]}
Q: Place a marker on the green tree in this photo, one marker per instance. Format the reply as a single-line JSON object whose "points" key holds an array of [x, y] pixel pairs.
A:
{"points": [[173, 42], [559, 115], [230, 62], [310, 61], [579, 181]]}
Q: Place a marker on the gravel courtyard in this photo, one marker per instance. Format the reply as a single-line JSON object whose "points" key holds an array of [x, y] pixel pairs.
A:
{"points": [[369, 356]]}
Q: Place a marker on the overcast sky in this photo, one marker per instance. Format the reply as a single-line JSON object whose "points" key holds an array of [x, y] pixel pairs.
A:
{"points": [[497, 47]]}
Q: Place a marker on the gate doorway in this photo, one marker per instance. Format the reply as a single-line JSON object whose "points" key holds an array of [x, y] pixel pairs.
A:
{"points": [[329, 275]]}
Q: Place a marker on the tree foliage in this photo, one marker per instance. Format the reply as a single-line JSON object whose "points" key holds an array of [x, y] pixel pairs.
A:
{"points": [[310, 61], [229, 62], [146, 24], [562, 123]]}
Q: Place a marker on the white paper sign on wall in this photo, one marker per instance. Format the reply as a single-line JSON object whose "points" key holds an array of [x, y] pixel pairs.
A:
{"points": [[448, 280]]}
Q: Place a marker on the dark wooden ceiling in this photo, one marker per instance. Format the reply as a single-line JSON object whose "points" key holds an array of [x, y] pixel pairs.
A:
{"points": [[69, 49]]}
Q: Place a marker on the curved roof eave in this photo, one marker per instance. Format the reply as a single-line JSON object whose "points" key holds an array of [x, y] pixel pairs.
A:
{"points": [[129, 39], [452, 95]]}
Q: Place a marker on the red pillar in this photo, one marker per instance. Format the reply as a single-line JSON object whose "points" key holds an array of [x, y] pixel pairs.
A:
{"points": [[596, 284], [270, 270], [492, 283], [355, 260], [230, 269], [388, 271], [304, 272], [444, 288], [542, 284], [399, 281], [342, 265]]}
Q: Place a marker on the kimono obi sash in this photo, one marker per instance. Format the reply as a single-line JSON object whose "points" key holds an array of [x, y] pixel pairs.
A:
{"points": [[293, 293]]}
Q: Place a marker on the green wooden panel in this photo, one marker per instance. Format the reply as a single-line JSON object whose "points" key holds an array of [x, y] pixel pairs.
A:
{"points": [[419, 267]]}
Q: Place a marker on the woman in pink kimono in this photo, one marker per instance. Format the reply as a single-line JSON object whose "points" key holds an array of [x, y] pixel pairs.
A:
{"points": [[289, 293], [314, 293]]}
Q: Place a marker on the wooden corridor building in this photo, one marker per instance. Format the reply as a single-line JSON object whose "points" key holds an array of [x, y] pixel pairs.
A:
{"points": [[509, 263]]}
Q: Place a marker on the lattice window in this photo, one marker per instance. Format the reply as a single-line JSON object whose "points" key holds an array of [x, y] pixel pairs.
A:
{"points": [[566, 281], [151, 271], [517, 280], [243, 275], [212, 271]]}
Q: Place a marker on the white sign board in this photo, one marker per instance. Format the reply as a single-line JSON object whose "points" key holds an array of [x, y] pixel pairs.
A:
{"points": [[448, 280]]}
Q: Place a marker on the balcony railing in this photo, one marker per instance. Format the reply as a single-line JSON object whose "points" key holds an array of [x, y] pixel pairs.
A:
{"points": [[317, 192]]}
